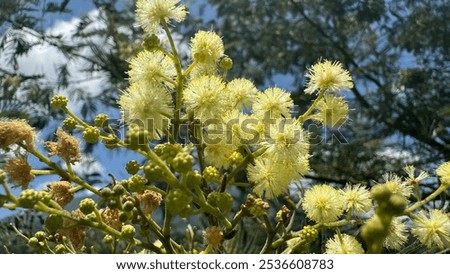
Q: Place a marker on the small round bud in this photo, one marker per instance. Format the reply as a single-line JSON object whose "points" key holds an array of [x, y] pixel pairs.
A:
{"points": [[123, 217], [151, 42], [211, 174], [167, 152], [59, 101], [397, 204], [91, 217], [226, 62], [309, 233], [69, 124], [33, 242], [128, 231], [136, 183], [235, 158], [87, 205], [183, 162], [119, 189], [222, 200], [53, 223], [194, 178], [178, 202], [28, 198], [128, 206], [44, 196], [153, 172], [132, 167], [113, 204], [101, 120], [91, 134], [110, 142], [60, 249], [40, 235], [283, 214], [136, 137], [108, 239], [106, 192]]}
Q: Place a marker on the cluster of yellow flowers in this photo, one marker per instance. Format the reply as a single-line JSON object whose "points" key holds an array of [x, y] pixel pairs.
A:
{"points": [[209, 129]]}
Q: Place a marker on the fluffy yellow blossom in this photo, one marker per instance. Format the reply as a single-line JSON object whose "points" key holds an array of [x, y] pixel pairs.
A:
{"points": [[218, 154], [242, 93], [206, 47], [397, 235], [357, 199], [443, 172], [326, 75], [203, 69], [152, 67], [395, 184], [432, 229], [273, 103], [206, 97], [323, 204], [151, 13], [148, 107], [345, 244], [234, 125], [268, 179], [412, 179], [333, 111]]}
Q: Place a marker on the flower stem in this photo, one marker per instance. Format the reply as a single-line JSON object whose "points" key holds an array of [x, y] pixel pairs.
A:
{"points": [[306, 115], [431, 197]]}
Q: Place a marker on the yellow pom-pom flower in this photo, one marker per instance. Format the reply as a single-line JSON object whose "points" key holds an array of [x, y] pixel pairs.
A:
{"points": [[432, 229], [397, 236], [443, 172], [345, 244], [357, 199], [274, 103], [327, 75], [151, 13], [333, 111], [206, 47], [323, 204], [242, 93]]}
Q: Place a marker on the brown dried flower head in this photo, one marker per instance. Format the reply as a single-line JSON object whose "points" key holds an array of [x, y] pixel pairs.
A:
{"points": [[67, 147], [74, 232], [61, 192], [15, 132], [111, 218], [213, 236], [149, 201], [19, 172]]}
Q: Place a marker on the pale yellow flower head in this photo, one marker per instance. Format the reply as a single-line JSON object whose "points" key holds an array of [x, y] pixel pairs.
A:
{"points": [[218, 154], [395, 184], [273, 103], [206, 47], [345, 244], [412, 179], [151, 13], [242, 93], [147, 106], [327, 75], [443, 172], [206, 97], [357, 199], [398, 234], [333, 111], [323, 204], [152, 67], [432, 229]]}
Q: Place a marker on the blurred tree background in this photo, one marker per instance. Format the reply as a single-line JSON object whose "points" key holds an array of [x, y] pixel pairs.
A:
{"points": [[396, 51]]}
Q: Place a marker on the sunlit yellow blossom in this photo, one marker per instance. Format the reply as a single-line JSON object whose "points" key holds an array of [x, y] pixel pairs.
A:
{"points": [[151, 13], [443, 172], [432, 229], [206, 47], [357, 199], [395, 184], [203, 69], [323, 204], [153, 68], [333, 111], [268, 179], [285, 141], [326, 75], [206, 97], [273, 103], [147, 106], [242, 93], [218, 153], [397, 234], [235, 127], [345, 244]]}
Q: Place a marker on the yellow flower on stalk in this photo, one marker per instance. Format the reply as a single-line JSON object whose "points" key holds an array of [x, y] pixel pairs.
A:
{"points": [[323, 204], [242, 93], [432, 229], [218, 154], [443, 172], [333, 111], [150, 107], [345, 244], [412, 179], [327, 75], [206, 97], [206, 47], [152, 67], [357, 199], [273, 103], [151, 13], [397, 235], [395, 184]]}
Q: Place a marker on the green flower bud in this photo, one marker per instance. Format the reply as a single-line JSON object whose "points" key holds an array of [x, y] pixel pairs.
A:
{"points": [[226, 62], [106, 192], [235, 158], [28, 198], [193, 178], [101, 120], [108, 239], [132, 167], [113, 204], [178, 202], [53, 223], [211, 174], [128, 206], [119, 189], [91, 217], [44, 197], [87, 205], [40, 235], [110, 142], [183, 162], [91, 134], [151, 42], [167, 152], [136, 137], [33, 242], [153, 172], [124, 216], [60, 249], [128, 231], [136, 183], [309, 233], [69, 124], [397, 204], [222, 200], [380, 193], [59, 101]]}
